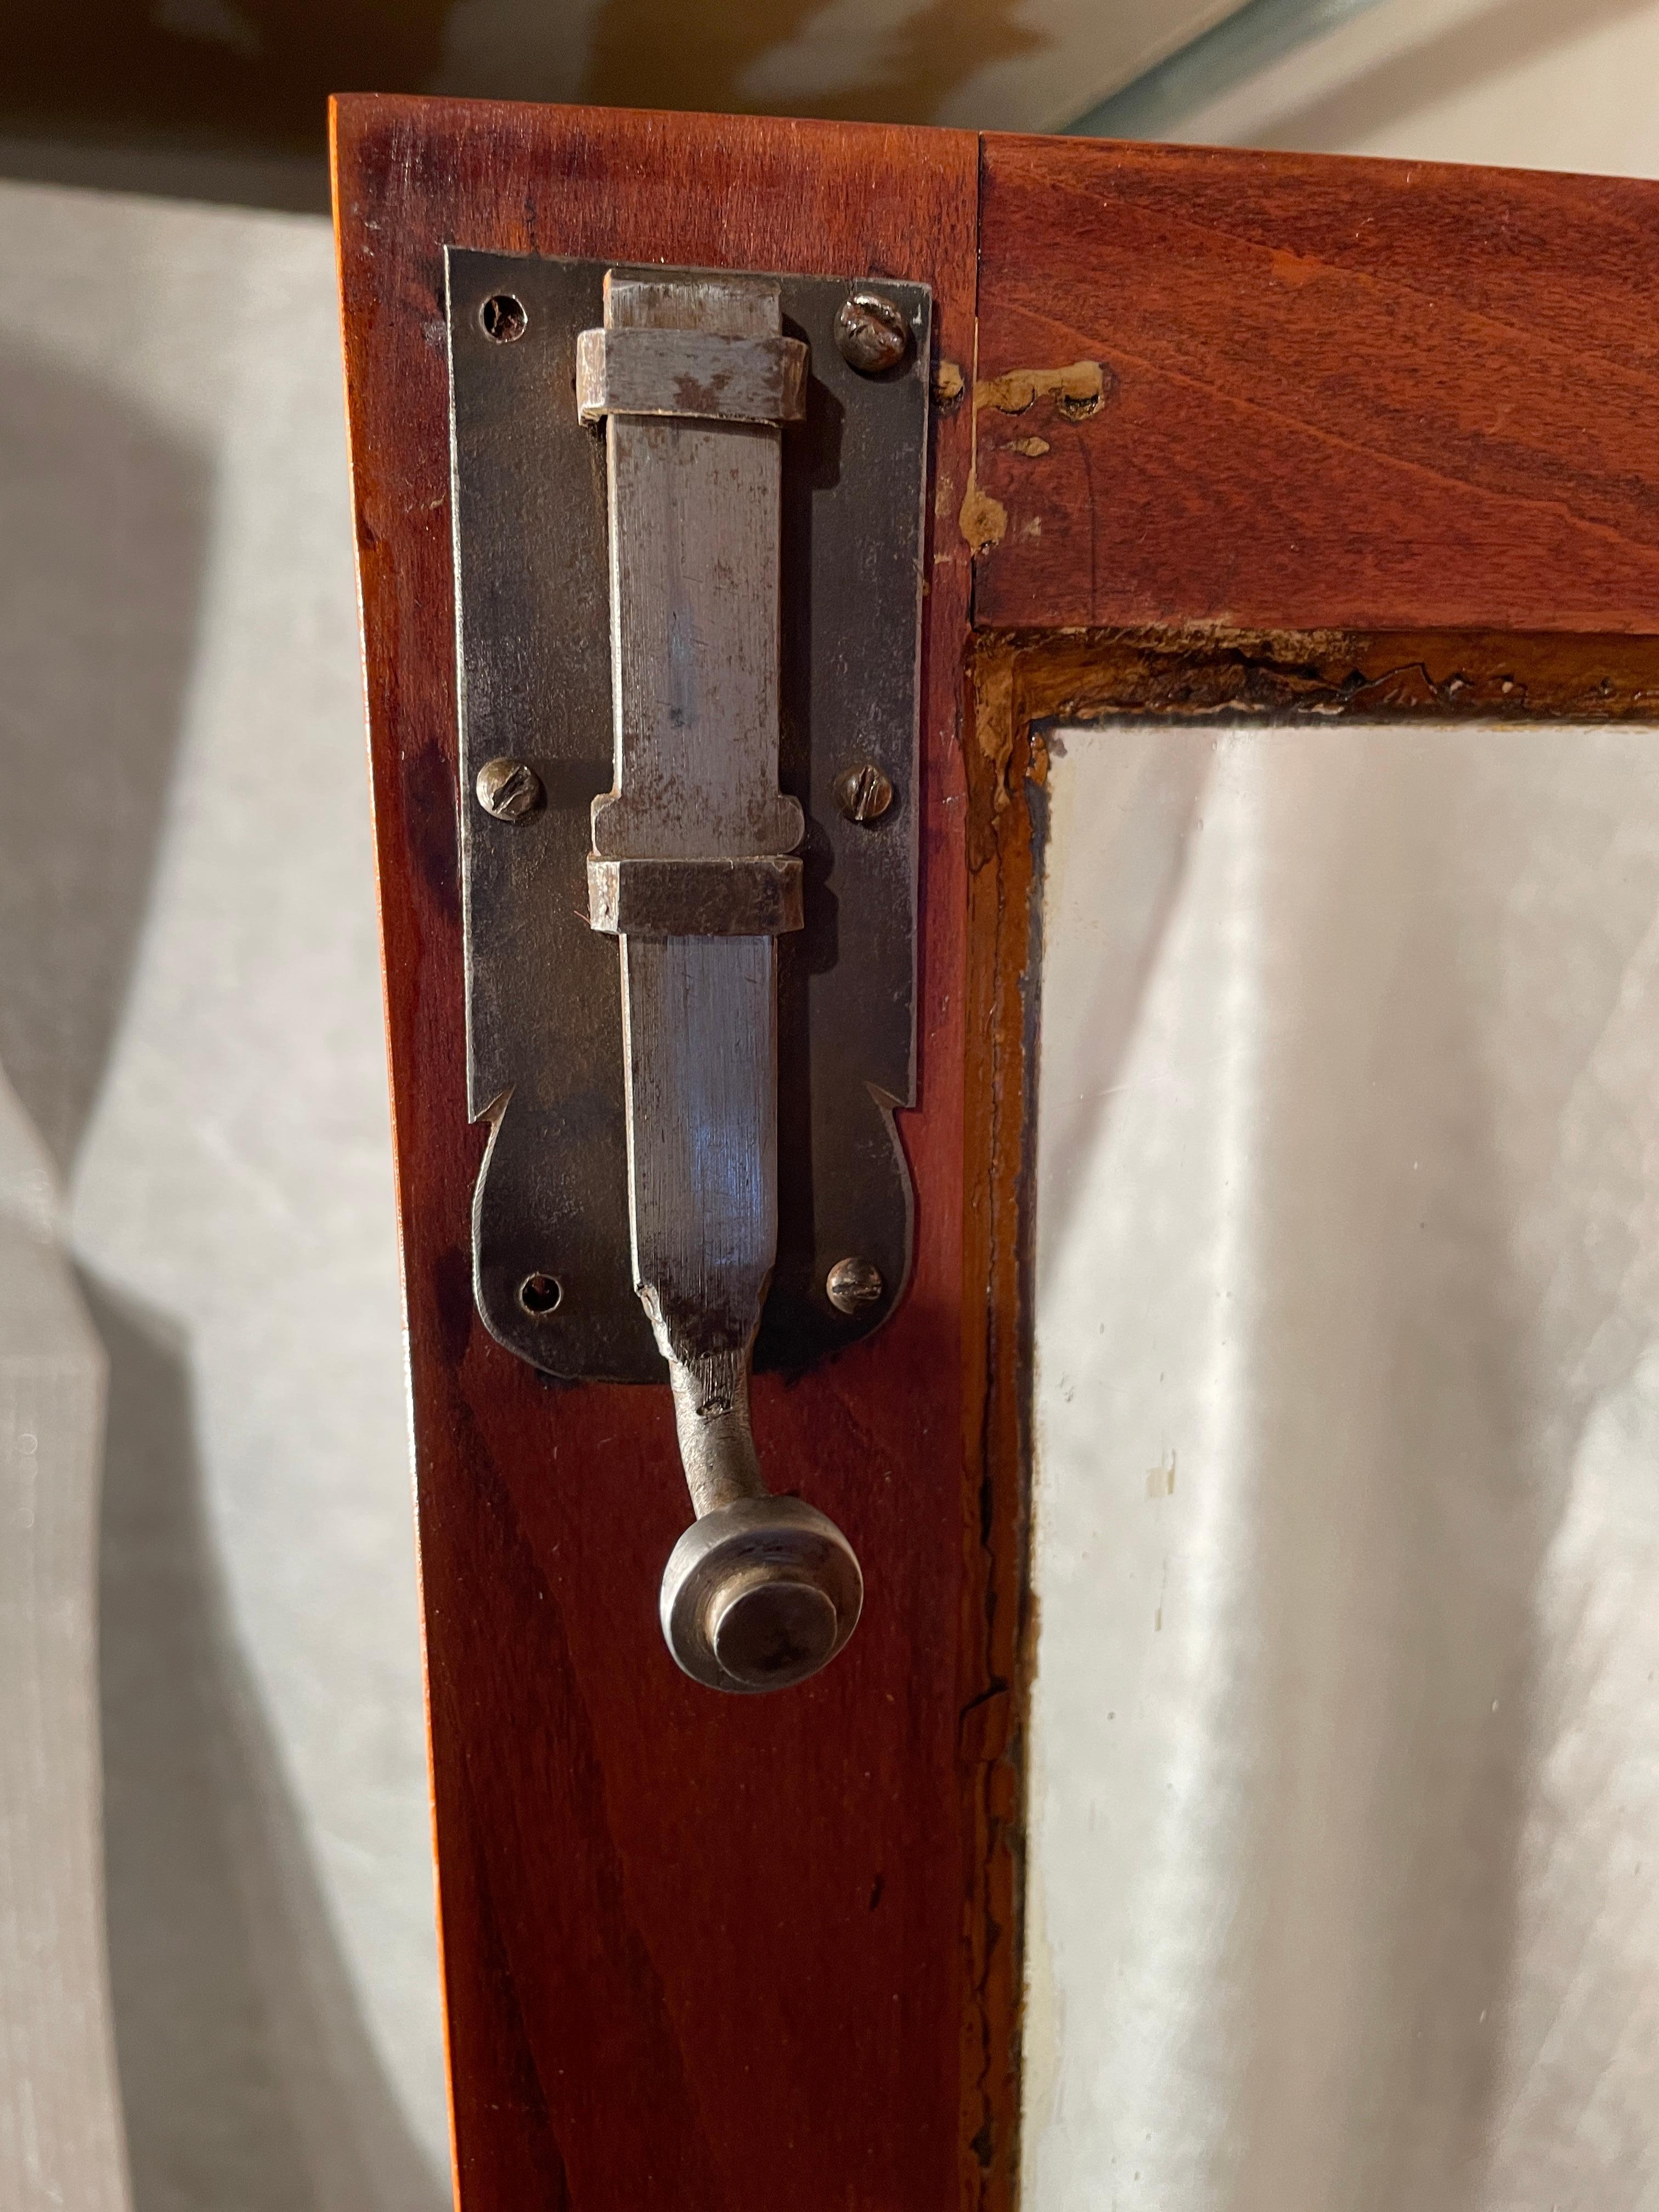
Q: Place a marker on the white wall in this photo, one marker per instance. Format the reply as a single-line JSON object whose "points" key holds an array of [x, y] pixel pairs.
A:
{"points": [[189, 1015]]}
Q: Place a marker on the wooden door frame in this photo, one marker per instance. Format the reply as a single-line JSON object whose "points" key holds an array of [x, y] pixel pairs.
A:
{"points": [[1191, 406]]}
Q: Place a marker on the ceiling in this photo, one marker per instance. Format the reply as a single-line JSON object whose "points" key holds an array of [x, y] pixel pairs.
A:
{"points": [[172, 82]]}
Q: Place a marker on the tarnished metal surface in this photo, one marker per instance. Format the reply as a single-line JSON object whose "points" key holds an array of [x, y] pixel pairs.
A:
{"points": [[759, 897], [854, 1284], [873, 333], [758, 1593], [714, 375], [508, 789], [546, 1053]]}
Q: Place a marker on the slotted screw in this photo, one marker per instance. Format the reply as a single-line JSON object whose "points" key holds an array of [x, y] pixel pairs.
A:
{"points": [[872, 333], [852, 1284], [864, 793], [508, 789]]}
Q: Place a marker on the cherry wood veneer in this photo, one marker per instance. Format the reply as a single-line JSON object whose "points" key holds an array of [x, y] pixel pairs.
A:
{"points": [[1334, 394], [702, 1951]]}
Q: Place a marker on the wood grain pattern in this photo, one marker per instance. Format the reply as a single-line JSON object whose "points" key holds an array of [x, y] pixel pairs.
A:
{"points": [[1249, 434], [700, 1951], [1362, 395]]}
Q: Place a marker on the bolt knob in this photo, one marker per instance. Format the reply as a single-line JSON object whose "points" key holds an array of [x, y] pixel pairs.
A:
{"points": [[760, 1594]]}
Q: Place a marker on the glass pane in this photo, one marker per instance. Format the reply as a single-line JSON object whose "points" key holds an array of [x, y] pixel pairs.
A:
{"points": [[1344, 1867]]}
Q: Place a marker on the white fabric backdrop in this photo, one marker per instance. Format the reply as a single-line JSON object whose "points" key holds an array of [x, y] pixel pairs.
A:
{"points": [[63, 2140], [1345, 1852], [189, 1020]]}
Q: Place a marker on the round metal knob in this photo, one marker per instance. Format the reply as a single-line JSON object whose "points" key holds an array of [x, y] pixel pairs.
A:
{"points": [[760, 1594]]}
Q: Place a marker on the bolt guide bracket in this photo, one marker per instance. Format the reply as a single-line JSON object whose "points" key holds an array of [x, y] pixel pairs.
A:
{"points": [[688, 516]]}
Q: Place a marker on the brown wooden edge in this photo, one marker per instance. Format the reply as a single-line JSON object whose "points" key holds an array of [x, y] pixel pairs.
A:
{"points": [[1003, 845], [1182, 671], [524, 1702]]}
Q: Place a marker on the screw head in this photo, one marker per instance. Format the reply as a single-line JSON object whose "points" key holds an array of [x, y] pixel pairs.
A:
{"points": [[864, 793], [853, 1285], [872, 333], [508, 789]]}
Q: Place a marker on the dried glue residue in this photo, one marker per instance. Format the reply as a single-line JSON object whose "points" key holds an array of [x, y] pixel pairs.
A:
{"points": [[1078, 389], [982, 520]]}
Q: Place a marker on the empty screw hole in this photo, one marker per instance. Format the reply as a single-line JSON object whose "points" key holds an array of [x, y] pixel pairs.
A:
{"points": [[539, 1294], [503, 318]]}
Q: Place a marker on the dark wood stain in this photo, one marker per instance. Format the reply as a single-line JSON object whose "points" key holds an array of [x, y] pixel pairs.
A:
{"points": [[664, 1978]]}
